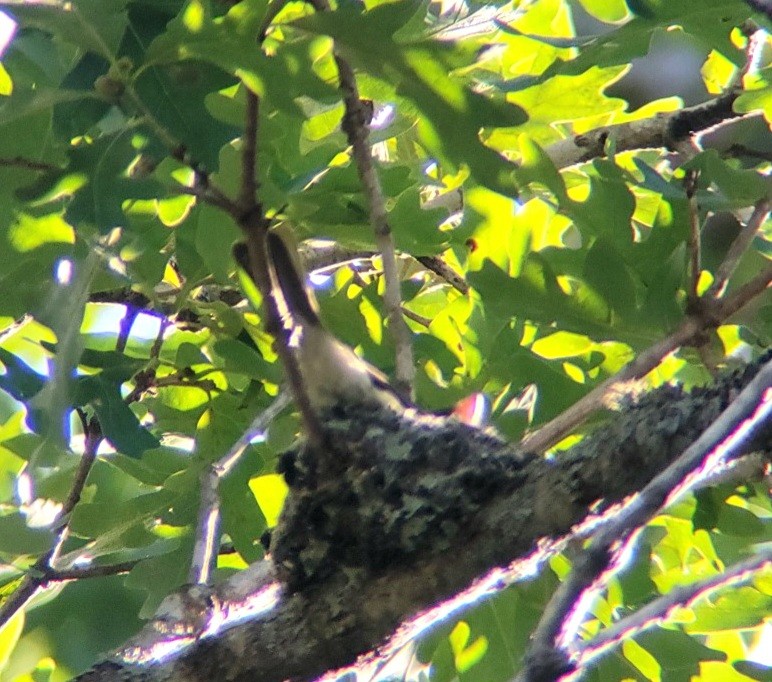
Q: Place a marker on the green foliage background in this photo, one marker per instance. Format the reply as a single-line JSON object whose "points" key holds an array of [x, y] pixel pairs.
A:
{"points": [[573, 273]]}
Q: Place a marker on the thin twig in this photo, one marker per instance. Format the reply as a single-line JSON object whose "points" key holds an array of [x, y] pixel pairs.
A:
{"points": [[419, 319], [442, 269], [694, 243], [693, 326], [206, 547], [744, 294], [355, 125], [29, 164], [738, 248], [93, 440], [208, 194], [248, 194], [84, 572], [37, 576], [656, 612], [738, 425]]}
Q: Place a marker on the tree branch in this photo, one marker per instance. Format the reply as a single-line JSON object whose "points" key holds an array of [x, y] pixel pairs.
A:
{"points": [[248, 194], [205, 550], [329, 623], [746, 417], [738, 248], [38, 574], [355, 125], [662, 130], [711, 314], [29, 164], [656, 612]]}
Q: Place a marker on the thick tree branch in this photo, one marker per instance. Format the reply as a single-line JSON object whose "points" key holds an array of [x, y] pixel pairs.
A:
{"points": [[326, 623], [663, 130]]}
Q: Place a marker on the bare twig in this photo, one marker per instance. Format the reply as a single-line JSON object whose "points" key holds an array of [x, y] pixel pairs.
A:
{"points": [[738, 248], [440, 268], [205, 549], [84, 572], [209, 194], [657, 611], [93, 439], [248, 194], [29, 164], [711, 315], [744, 294], [745, 417], [355, 125], [694, 243], [38, 575], [419, 319]]}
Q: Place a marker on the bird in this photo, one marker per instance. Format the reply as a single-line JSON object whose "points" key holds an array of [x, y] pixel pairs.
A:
{"points": [[332, 373]]}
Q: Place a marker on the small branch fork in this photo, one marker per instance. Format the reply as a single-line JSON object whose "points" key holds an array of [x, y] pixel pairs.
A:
{"points": [[206, 546], [703, 313], [711, 312], [44, 572], [745, 418]]}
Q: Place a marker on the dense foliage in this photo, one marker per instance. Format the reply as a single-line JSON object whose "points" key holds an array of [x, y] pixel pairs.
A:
{"points": [[123, 326]]}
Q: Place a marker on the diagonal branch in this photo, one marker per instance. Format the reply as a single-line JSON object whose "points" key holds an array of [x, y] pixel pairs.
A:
{"points": [[738, 248], [206, 547], [711, 315], [745, 417], [655, 612]]}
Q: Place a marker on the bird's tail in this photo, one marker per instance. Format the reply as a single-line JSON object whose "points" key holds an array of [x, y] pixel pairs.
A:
{"points": [[294, 297]]}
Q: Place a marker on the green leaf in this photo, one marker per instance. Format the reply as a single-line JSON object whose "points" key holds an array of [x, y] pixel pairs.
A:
{"points": [[568, 98], [17, 538], [606, 272], [99, 178], [242, 518], [536, 295], [80, 606], [158, 576], [119, 424], [737, 609], [678, 655], [19, 379], [237, 357], [93, 25], [735, 187]]}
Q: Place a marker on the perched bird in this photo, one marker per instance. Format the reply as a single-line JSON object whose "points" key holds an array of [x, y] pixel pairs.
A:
{"points": [[332, 372]]}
